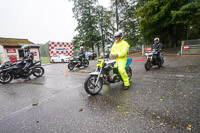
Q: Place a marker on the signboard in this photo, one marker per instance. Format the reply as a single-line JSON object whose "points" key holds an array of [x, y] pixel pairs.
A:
{"points": [[61, 48], [148, 49], [13, 58], [186, 47], [11, 50], [35, 53]]}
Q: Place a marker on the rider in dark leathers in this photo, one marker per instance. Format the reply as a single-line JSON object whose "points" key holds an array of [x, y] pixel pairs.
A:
{"points": [[81, 55], [158, 47], [29, 57]]}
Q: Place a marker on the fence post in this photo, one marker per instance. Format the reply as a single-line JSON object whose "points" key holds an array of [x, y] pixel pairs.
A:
{"points": [[142, 49], [181, 49]]}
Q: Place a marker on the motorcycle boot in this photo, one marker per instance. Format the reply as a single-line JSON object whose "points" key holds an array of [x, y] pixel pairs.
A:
{"points": [[159, 60], [27, 74], [27, 78], [125, 87]]}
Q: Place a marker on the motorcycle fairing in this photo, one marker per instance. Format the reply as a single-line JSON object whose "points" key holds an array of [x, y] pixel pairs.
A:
{"points": [[94, 73], [100, 62]]}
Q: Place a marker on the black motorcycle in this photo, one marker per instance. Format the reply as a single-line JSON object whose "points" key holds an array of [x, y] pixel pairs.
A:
{"points": [[9, 71], [75, 62], [152, 59]]}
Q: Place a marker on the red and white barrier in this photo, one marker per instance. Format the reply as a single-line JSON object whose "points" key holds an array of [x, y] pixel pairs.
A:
{"points": [[61, 48]]}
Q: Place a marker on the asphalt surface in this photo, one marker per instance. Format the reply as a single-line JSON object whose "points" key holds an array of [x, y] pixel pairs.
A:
{"points": [[164, 100]]}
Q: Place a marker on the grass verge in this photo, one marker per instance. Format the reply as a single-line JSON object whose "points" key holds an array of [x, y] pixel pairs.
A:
{"points": [[45, 60]]}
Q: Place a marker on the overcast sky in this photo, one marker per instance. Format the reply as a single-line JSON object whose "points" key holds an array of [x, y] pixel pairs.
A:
{"points": [[39, 21]]}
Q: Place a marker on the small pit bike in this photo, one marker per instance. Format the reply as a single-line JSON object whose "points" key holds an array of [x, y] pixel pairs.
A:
{"points": [[152, 60], [75, 62], [106, 72]]}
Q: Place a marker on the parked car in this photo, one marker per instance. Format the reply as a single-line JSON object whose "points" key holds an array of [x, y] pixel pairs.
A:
{"points": [[60, 58], [90, 55]]}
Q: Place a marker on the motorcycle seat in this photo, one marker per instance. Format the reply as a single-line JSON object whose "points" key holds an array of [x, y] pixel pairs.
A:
{"points": [[129, 61]]}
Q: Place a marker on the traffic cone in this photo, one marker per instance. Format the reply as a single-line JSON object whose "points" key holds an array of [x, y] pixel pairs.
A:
{"points": [[66, 71]]}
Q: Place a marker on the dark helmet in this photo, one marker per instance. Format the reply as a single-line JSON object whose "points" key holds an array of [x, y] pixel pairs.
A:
{"points": [[26, 48], [156, 40]]}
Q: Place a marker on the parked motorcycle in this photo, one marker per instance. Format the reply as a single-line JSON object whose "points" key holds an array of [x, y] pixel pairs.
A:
{"points": [[9, 71], [106, 72], [152, 59], [75, 62]]}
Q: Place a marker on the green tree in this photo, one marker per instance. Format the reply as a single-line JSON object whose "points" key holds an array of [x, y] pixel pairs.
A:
{"points": [[44, 50], [84, 13], [124, 12], [105, 27], [188, 15], [168, 20]]}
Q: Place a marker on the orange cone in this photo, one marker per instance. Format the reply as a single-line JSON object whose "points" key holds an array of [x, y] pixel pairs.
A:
{"points": [[66, 71]]}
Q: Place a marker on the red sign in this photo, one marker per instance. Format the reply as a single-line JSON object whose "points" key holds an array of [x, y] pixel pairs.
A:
{"points": [[35, 53], [186, 47], [148, 49], [11, 50], [13, 58]]}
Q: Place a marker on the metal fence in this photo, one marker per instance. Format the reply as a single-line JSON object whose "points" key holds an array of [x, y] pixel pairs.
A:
{"points": [[135, 49], [190, 47]]}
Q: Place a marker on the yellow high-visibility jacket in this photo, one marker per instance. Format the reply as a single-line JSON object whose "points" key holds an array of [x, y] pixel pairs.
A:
{"points": [[120, 48]]}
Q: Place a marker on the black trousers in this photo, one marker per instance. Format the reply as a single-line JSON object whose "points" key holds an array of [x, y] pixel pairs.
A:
{"points": [[81, 60], [159, 55], [27, 65]]}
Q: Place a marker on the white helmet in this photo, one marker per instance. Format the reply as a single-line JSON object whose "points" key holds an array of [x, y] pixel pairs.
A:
{"points": [[156, 40], [118, 34], [108, 46], [81, 47]]}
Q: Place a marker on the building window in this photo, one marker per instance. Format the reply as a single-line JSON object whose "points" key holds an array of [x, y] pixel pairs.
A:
{"points": [[21, 53]]}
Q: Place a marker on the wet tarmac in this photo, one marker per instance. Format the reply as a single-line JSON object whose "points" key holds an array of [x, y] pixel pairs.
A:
{"points": [[159, 101]]}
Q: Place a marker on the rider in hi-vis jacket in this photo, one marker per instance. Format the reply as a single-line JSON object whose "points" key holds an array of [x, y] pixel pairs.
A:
{"points": [[119, 51]]}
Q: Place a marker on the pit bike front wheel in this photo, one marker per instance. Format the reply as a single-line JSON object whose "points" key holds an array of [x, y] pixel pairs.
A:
{"points": [[90, 84]]}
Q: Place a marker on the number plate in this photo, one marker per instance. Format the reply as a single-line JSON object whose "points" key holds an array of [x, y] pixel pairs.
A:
{"points": [[100, 62]]}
